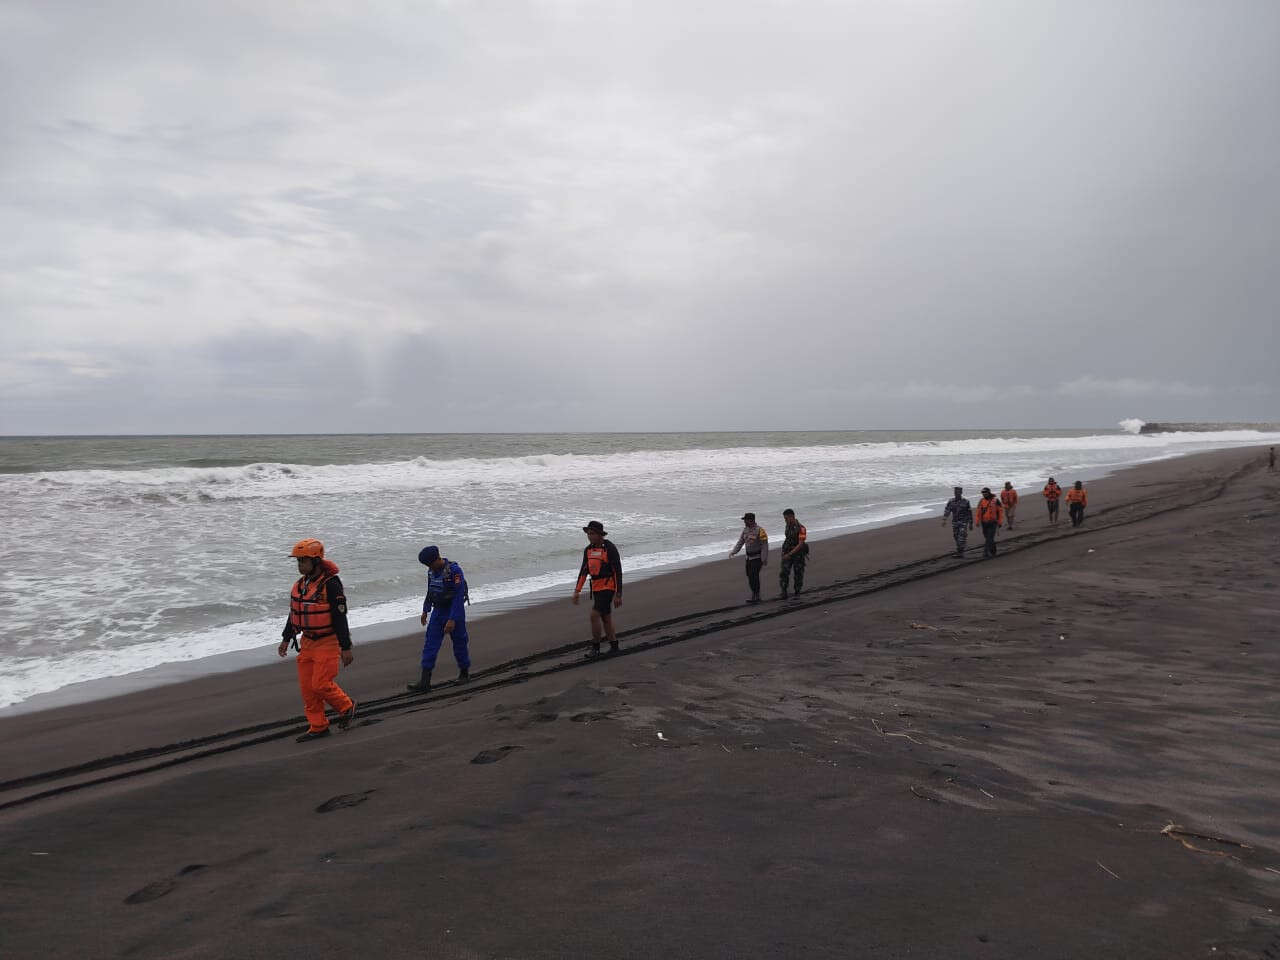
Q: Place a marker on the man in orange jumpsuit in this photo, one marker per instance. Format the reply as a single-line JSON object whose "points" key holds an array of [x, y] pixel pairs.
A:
{"points": [[318, 611], [990, 514], [1009, 497]]}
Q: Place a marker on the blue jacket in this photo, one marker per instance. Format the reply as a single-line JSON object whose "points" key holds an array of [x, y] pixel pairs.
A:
{"points": [[446, 590]]}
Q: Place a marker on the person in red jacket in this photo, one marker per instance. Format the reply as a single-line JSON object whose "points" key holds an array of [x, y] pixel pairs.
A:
{"points": [[602, 563], [990, 515], [1009, 497], [318, 611], [1052, 494]]}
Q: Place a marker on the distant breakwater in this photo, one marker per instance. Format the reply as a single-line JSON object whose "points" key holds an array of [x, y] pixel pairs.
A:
{"points": [[1206, 427]]}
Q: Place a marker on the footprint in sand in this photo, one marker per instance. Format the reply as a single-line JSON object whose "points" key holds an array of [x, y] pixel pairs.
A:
{"points": [[160, 888], [493, 756], [343, 800], [589, 717], [152, 891]]}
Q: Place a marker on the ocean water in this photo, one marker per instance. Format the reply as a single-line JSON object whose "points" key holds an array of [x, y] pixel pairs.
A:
{"points": [[125, 553]]}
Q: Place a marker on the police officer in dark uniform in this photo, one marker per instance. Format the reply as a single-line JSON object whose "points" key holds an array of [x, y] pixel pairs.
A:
{"points": [[444, 605]]}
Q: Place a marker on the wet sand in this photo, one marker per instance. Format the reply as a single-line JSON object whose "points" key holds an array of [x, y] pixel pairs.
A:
{"points": [[922, 758]]}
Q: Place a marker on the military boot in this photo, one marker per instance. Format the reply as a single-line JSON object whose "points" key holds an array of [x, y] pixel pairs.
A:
{"points": [[423, 685]]}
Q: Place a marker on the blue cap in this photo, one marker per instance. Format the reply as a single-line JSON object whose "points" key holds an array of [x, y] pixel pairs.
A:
{"points": [[429, 555]]}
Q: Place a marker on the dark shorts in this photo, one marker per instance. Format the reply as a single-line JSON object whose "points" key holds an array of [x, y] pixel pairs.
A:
{"points": [[602, 602]]}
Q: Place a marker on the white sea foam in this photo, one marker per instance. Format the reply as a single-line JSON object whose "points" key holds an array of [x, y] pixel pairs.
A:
{"points": [[1132, 425], [280, 480]]}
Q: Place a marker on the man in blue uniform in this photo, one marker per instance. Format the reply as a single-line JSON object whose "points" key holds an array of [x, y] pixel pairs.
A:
{"points": [[446, 594]]}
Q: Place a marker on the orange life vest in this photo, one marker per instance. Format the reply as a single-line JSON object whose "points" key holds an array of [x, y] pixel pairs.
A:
{"points": [[1078, 496], [990, 511], [1008, 497], [309, 607], [600, 569], [1052, 491]]}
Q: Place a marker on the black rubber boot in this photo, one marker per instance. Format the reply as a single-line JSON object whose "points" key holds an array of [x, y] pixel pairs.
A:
{"points": [[423, 685], [593, 651], [464, 675], [613, 647]]}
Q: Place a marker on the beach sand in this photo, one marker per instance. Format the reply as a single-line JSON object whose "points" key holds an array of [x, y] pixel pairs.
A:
{"points": [[922, 758]]}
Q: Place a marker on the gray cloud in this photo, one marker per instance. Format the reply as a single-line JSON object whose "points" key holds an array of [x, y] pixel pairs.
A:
{"points": [[562, 215]]}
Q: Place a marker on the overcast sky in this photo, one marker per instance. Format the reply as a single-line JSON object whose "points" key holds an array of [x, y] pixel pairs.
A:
{"points": [[312, 216]]}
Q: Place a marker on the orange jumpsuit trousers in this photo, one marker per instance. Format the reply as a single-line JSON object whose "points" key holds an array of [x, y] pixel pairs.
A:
{"points": [[318, 662]]}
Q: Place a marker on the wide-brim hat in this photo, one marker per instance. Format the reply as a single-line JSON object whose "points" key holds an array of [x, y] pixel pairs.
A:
{"points": [[595, 526], [748, 518]]}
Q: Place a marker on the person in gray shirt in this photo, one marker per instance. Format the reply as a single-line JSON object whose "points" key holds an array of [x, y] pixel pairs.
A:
{"points": [[757, 543]]}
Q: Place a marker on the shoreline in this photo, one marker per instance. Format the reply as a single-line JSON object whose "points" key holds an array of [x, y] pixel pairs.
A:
{"points": [[181, 671], [381, 663], [1020, 744]]}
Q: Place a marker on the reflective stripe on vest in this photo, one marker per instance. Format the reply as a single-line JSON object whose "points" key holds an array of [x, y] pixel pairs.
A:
{"points": [[309, 608]]}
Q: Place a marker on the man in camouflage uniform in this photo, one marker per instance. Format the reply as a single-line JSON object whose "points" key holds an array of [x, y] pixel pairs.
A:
{"points": [[961, 515], [795, 551]]}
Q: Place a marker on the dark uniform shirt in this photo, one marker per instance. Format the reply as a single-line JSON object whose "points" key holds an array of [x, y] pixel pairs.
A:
{"points": [[959, 510]]}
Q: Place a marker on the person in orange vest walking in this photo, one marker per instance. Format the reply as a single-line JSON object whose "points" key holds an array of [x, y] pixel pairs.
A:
{"points": [[603, 564], [1052, 494], [1009, 497], [1077, 500], [990, 514], [318, 611]]}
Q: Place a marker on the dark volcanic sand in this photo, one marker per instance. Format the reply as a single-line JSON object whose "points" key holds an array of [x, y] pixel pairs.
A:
{"points": [[974, 763]]}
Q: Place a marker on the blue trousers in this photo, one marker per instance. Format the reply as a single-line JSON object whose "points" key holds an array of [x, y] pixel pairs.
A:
{"points": [[435, 639]]}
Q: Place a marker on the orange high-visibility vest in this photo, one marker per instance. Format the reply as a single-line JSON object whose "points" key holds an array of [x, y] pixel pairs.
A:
{"points": [[990, 511], [309, 608]]}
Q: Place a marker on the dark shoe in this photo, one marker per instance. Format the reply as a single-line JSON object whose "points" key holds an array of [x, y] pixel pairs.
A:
{"points": [[312, 735], [347, 716], [754, 598], [464, 676], [423, 685], [782, 595], [593, 651], [613, 647]]}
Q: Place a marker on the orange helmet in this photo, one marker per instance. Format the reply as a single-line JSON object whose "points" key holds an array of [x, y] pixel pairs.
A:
{"points": [[307, 548]]}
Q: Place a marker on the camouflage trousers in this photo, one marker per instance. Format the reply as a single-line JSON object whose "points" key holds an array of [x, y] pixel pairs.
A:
{"points": [[789, 564], [961, 532]]}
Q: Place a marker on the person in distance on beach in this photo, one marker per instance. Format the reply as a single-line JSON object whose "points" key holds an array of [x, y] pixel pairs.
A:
{"points": [[602, 563], [1077, 500], [757, 543], [1052, 494], [1271, 457], [961, 515], [446, 595], [990, 516], [795, 552], [318, 611], [1009, 497]]}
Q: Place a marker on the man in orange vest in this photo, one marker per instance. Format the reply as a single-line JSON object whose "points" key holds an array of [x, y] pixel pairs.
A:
{"points": [[318, 611], [601, 562], [1052, 493], [990, 514], [1009, 497], [1077, 500]]}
